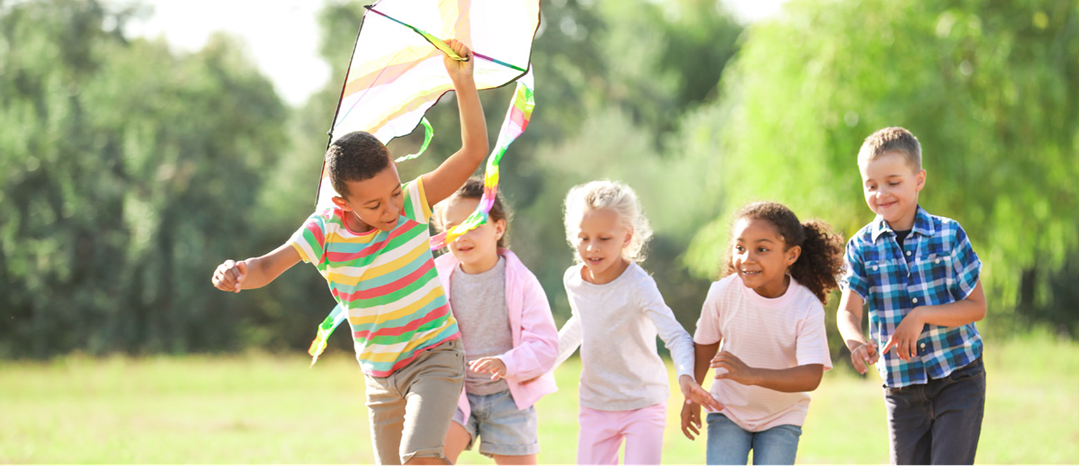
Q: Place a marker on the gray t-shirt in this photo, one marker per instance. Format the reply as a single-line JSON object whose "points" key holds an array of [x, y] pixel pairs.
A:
{"points": [[479, 305]]}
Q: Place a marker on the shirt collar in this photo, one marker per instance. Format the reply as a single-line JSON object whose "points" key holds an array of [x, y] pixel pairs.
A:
{"points": [[923, 225]]}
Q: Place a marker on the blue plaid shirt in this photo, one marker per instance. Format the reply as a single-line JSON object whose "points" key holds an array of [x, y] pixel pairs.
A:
{"points": [[935, 265]]}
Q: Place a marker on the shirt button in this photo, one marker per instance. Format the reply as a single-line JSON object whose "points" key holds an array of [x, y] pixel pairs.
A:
{"points": [[874, 267], [908, 253], [938, 261], [915, 300], [922, 346]]}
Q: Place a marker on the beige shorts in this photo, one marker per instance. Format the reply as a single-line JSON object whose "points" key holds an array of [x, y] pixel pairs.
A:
{"points": [[410, 410]]}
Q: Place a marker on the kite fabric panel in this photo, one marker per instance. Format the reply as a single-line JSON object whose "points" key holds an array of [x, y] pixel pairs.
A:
{"points": [[397, 74]]}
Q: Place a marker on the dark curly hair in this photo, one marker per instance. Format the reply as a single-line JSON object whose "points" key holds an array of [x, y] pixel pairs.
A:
{"points": [[356, 156], [473, 189], [821, 260]]}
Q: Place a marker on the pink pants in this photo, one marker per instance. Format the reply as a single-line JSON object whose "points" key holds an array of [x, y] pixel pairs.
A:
{"points": [[602, 433]]}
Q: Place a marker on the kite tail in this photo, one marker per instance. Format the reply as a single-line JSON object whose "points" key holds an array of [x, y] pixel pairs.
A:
{"points": [[428, 133], [326, 328], [517, 117]]}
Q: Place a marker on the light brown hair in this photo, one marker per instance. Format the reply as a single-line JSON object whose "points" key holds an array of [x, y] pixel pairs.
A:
{"points": [[891, 139]]}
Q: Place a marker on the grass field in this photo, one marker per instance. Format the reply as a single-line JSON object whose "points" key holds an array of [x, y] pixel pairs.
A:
{"points": [[263, 409]]}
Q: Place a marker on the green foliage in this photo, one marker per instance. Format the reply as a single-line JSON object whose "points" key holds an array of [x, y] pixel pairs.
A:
{"points": [[125, 172], [989, 88]]}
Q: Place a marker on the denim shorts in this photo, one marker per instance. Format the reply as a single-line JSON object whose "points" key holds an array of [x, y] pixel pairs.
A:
{"points": [[501, 427]]}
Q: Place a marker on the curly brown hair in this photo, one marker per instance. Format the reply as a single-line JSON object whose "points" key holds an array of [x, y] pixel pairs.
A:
{"points": [[821, 261]]}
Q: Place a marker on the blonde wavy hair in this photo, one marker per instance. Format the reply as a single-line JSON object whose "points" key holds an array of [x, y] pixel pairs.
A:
{"points": [[613, 195]]}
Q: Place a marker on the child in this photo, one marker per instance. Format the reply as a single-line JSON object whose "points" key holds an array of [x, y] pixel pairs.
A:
{"points": [[373, 247], [617, 312], [507, 330], [919, 276], [767, 316]]}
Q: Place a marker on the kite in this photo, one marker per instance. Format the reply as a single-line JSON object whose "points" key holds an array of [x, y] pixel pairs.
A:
{"points": [[396, 74]]}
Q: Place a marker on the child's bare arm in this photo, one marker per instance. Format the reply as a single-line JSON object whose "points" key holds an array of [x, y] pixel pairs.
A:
{"points": [[255, 272], [703, 354], [691, 411], [802, 378], [905, 337], [849, 321], [448, 177]]}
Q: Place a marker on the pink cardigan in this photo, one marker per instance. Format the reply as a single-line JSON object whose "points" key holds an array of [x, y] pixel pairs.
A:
{"points": [[535, 337]]}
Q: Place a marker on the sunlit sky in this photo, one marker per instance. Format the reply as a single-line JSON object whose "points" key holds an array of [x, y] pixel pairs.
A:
{"points": [[282, 35]]}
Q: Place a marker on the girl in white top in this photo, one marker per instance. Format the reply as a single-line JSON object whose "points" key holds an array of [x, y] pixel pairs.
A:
{"points": [[767, 317], [617, 313]]}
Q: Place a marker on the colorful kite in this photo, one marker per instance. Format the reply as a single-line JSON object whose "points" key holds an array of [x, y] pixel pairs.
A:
{"points": [[396, 75]]}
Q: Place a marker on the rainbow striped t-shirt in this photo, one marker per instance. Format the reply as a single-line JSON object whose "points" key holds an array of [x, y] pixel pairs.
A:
{"points": [[385, 279]]}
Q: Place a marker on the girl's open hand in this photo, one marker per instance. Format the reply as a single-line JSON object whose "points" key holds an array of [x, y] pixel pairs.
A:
{"points": [[489, 365], [691, 419], [694, 392], [736, 370]]}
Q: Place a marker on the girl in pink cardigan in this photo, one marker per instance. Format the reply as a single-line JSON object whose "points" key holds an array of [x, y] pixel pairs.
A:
{"points": [[509, 335]]}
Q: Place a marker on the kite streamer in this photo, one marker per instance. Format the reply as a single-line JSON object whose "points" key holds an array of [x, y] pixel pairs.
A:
{"points": [[517, 117], [428, 133], [331, 322]]}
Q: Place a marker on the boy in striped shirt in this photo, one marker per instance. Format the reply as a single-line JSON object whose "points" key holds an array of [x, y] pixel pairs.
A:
{"points": [[373, 248]]}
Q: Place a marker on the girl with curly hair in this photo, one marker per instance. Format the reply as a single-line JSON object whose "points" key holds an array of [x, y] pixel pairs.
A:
{"points": [[762, 330]]}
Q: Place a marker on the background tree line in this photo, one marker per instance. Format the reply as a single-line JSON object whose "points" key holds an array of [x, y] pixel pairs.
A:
{"points": [[128, 171]]}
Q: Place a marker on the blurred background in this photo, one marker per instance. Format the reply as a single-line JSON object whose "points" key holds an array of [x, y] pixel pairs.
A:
{"points": [[130, 167], [141, 144]]}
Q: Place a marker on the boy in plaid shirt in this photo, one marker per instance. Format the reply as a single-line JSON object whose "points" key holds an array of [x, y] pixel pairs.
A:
{"points": [[919, 276]]}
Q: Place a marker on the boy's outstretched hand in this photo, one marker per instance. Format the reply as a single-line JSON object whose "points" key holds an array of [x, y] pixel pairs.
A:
{"points": [[864, 356], [459, 69], [229, 275]]}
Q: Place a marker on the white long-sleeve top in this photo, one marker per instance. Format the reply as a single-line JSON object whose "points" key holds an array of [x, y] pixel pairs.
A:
{"points": [[616, 324]]}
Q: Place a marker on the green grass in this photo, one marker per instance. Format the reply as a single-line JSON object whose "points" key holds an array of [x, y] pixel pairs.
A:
{"points": [[263, 409]]}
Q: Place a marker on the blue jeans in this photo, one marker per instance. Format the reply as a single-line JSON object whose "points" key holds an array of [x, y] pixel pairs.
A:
{"points": [[730, 444], [938, 422]]}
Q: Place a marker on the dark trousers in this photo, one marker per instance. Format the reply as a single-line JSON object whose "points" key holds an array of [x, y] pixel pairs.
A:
{"points": [[938, 422]]}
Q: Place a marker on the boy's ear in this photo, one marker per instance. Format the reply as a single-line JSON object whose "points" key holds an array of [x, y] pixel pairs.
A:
{"points": [[793, 254], [340, 202], [919, 180]]}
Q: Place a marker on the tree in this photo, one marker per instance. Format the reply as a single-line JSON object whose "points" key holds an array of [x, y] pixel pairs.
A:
{"points": [[126, 171], [989, 88]]}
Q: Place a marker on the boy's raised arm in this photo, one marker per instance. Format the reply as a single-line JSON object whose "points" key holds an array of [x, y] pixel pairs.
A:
{"points": [[448, 177]]}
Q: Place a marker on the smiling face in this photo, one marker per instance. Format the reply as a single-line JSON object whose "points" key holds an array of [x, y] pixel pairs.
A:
{"points": [[891, 188], [600, 240], [760, 256], [375, 202], [478, 248]]}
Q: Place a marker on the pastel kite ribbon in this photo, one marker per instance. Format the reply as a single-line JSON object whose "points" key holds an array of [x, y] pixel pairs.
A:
{"points": [[331, 322], [517, 117]]}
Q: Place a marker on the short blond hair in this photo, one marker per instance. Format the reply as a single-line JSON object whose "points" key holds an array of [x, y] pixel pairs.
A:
{"points": [[618, 197], [892, 139]]}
